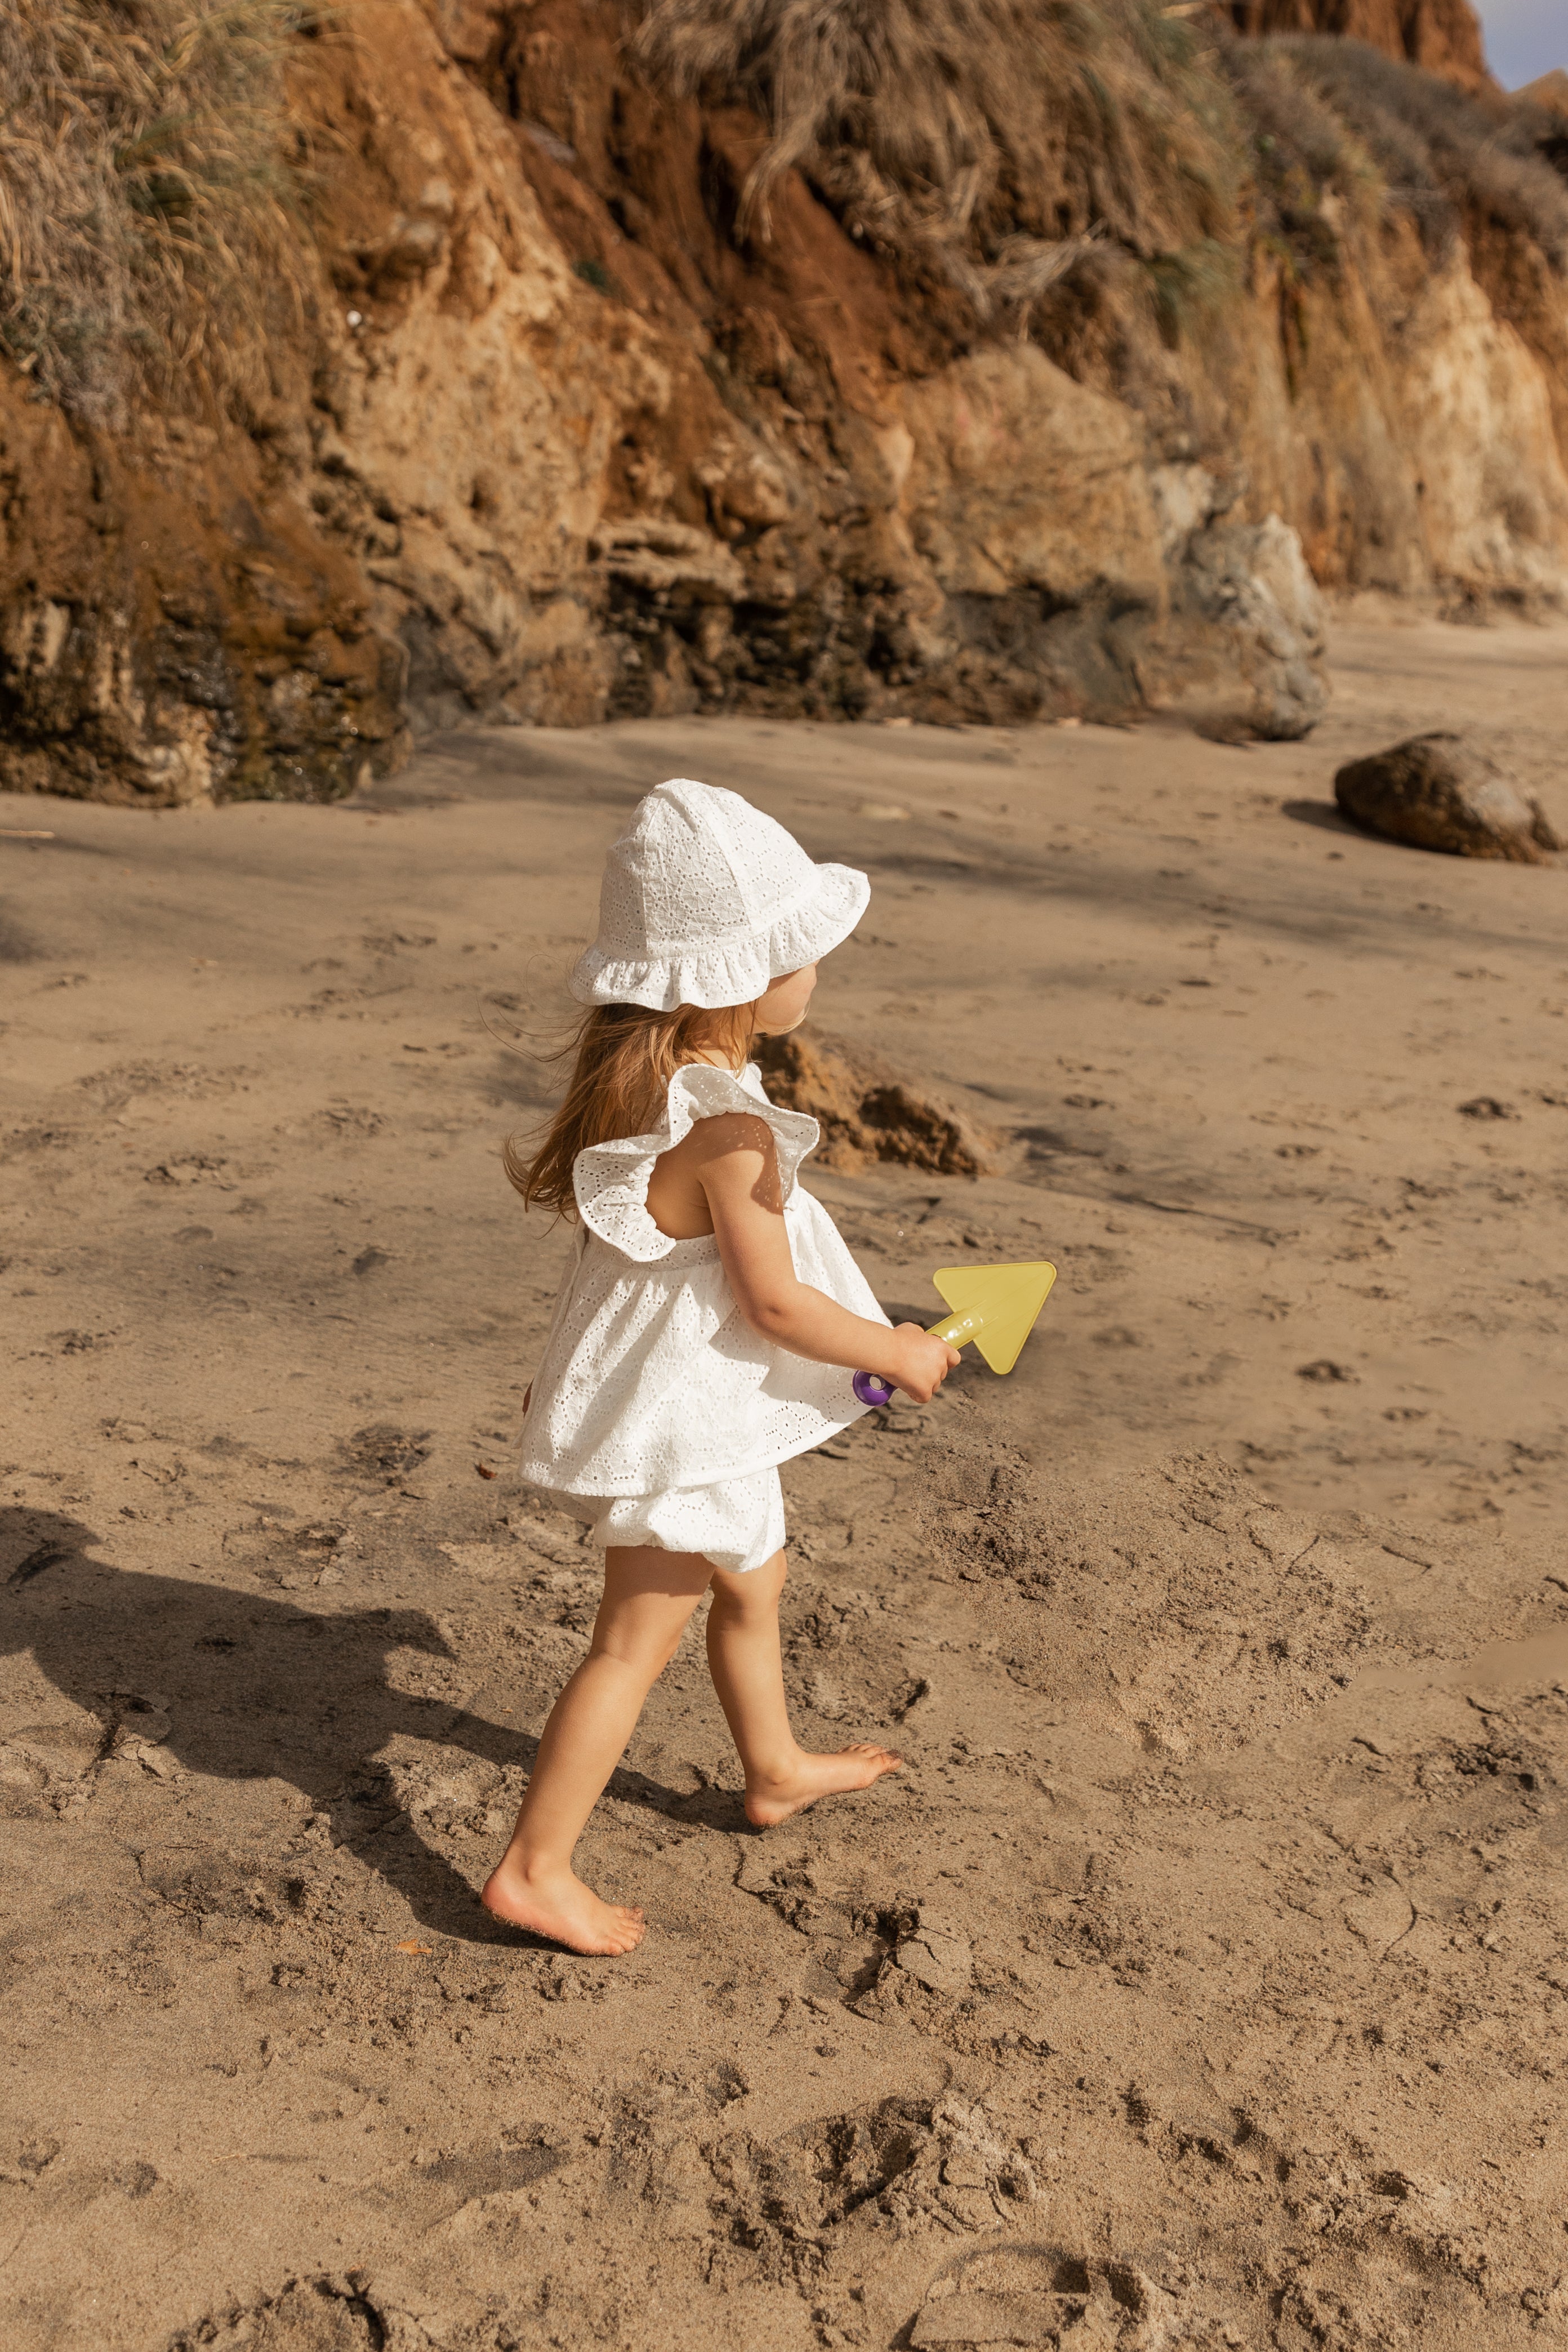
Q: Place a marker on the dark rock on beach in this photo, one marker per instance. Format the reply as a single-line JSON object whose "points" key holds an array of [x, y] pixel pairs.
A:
{"points": [[1443, 791]]}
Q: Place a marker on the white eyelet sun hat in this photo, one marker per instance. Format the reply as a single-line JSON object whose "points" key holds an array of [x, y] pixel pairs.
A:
{"points": [[706, 900]]}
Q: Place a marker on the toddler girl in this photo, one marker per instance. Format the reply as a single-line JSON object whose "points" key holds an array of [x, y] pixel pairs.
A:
{"points": [[708, 1328]]}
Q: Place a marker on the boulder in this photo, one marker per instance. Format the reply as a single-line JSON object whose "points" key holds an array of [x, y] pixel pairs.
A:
{"points": [[1239, 648], [1443, 791], [1250, 583]]}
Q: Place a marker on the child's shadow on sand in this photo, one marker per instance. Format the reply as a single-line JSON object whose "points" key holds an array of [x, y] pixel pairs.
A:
{"points": [[258, 1688]]}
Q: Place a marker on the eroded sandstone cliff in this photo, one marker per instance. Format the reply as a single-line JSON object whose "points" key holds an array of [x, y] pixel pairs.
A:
{"points": [[1442, 36], [609, 383]]}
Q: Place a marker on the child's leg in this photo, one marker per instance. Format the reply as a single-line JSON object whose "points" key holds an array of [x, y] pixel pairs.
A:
{"points": [[747, 1666], [649, 1597]]}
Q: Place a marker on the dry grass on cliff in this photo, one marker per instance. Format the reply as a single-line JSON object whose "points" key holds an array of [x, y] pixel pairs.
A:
{"points": [[1333, 112], [998, 139], [145, 236], [1005, 142]]}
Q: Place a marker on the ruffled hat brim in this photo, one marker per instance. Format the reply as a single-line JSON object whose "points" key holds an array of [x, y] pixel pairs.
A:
{"points": [[734, 971]]}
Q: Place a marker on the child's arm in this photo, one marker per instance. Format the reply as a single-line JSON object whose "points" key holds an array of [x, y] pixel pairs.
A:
{"points": [[734, 1160]]}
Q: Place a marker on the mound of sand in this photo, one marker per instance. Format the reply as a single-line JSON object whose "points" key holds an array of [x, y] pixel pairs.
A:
{"points": [[866, 1111]]}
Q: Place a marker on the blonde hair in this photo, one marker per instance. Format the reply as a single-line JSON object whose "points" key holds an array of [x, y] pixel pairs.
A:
{"points": [[625, 1057]]}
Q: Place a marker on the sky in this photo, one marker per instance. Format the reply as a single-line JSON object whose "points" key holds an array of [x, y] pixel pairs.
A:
{"points": [[1524, 37]]}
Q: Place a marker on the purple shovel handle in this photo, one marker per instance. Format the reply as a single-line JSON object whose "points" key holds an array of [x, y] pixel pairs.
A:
{"points": [[871, 1389]]}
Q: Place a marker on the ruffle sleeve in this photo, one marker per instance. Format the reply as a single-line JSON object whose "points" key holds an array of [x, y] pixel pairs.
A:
{"points": [[610, 1181]]}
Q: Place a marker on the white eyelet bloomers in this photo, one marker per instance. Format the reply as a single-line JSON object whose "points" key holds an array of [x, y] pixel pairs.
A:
{"points": [[657, 1414]]}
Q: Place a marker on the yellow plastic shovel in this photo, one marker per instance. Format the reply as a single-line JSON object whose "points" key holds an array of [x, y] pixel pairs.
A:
{"points": [[995, 1306]]}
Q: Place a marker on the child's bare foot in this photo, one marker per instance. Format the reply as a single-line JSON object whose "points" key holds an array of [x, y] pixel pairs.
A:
{"points": [[562, 1908], [810, 1777]]}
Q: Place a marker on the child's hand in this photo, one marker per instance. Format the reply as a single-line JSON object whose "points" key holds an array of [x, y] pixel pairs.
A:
{"points": [[921, 1363]]}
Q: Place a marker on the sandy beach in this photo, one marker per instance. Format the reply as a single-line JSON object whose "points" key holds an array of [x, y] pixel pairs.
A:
{"points": [[1202, 1979]]}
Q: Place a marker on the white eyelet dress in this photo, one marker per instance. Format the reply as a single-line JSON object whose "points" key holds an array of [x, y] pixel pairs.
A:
{"points": [[657, 1414]]}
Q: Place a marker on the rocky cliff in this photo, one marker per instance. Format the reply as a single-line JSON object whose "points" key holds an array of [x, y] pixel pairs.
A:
{"points": [[622, 363], [1442, 36]]}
